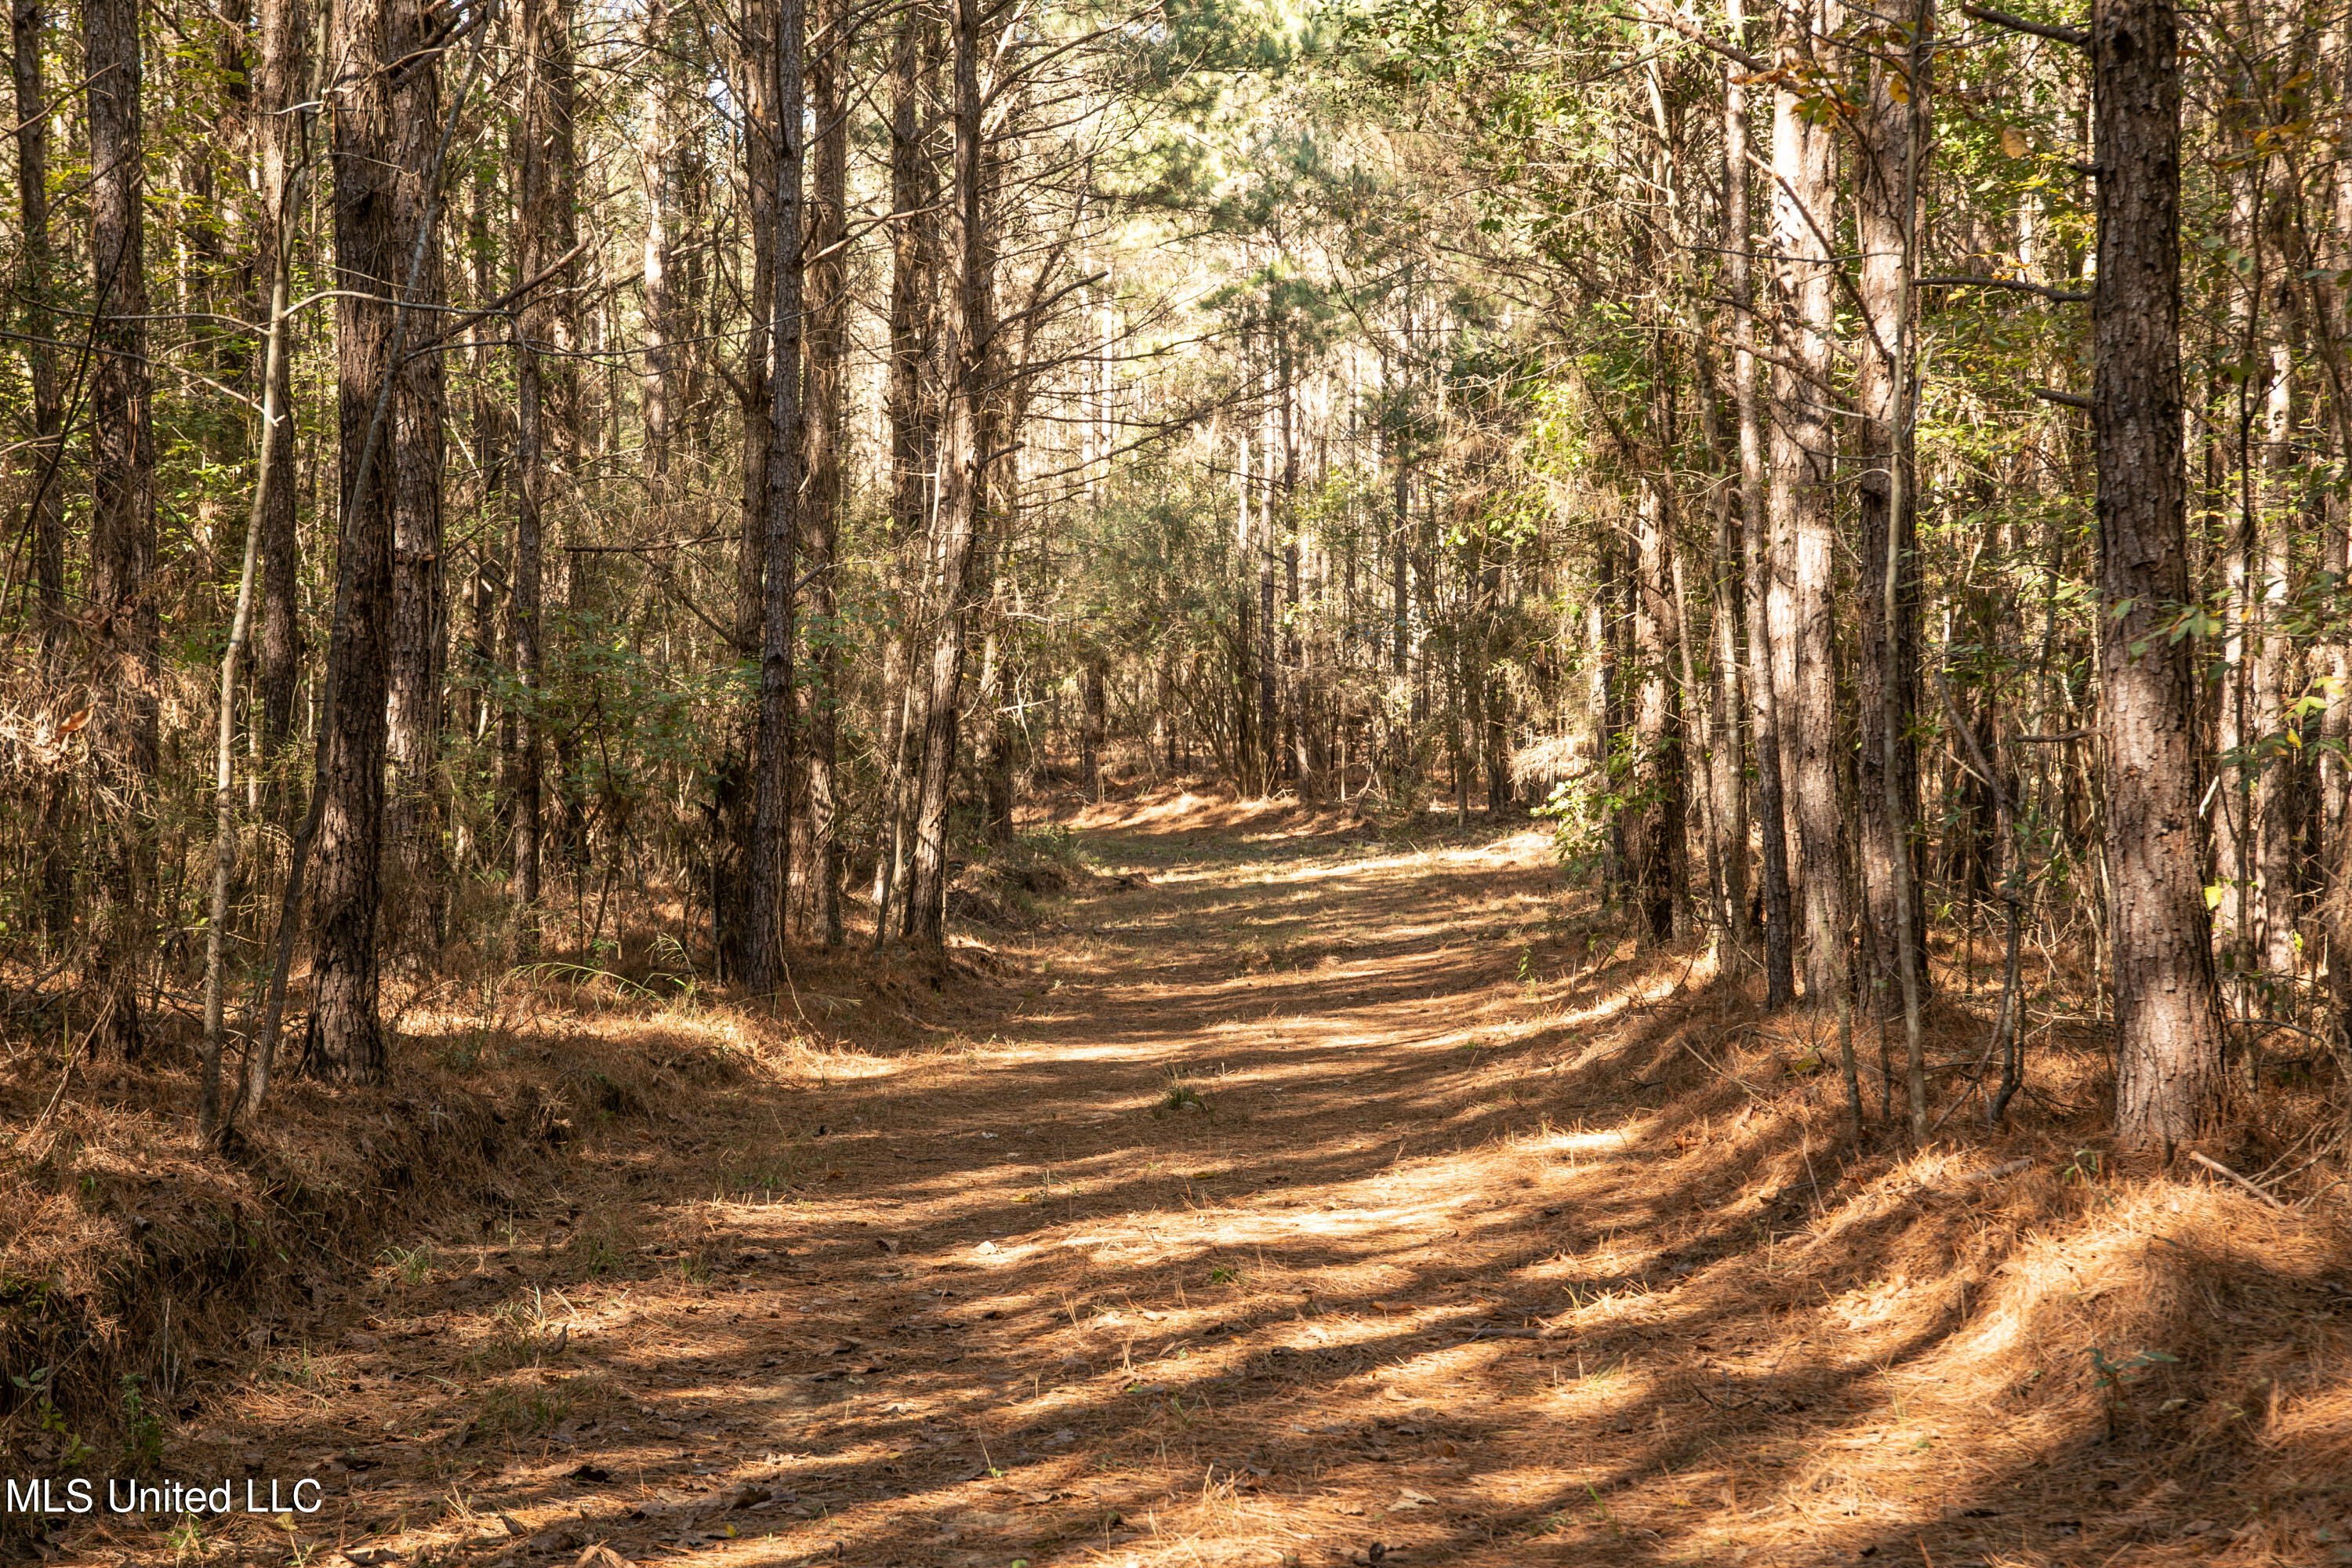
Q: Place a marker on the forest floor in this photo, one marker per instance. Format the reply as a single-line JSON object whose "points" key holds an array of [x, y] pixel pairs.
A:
{"points": [[1292, 1193]]}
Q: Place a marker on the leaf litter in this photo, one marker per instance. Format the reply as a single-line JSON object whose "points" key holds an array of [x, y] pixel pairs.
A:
{"points": [[1613, 1284]]}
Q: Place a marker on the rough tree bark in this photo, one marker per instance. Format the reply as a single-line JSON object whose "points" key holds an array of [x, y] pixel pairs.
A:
{"points": [[122, 609], [43, 460], [768, 854], [1887, 667], [1720, 722], [825, 432], [1293, 712], [1803, 451], [2169, 1062], [285, 49], [2232, 809], [1763, 696], [2280, 783], [658, 185], [996, 733], [419, 616], [1096, 666], [346, 1042], [731, 803], [544, 132], [1244, 618], [2330, 326], [964, 349], [1727, 716], [912, 228], [1654, 837], [1270, 759]]}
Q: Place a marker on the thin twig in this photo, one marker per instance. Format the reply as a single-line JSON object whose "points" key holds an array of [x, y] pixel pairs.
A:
{"points": [[2219, 1169]]}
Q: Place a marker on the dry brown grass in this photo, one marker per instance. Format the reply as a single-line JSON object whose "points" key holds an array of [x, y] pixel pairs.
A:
{"points": [[1286, 1194]]}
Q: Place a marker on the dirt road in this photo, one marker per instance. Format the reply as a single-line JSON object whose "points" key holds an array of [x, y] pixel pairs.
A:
{"points": [[1288, 1197]]}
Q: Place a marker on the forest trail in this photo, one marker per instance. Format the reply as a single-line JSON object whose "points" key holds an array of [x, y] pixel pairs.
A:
{"points": [[1289, 1197]]}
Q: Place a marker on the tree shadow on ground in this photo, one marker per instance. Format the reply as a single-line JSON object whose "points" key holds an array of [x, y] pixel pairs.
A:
{"points": [[1367, 1196]]}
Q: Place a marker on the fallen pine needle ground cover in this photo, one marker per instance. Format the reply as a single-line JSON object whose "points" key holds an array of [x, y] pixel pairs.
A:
{"points": [[1288, 1193]]}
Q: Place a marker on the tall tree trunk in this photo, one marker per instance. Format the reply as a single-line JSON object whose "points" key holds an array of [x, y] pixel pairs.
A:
{"points": [[733, 786], [1654, 836], [1294, 726], [2169, 1066], [285, 47], [1269, 699], [419, 614], [1887, 673], [1756, 543], [123, 513], [828, 350], [1244, 618], [2330, 325], [278, 246], [1726, 781], [43, 461], [2278, 785], [996, 734], [492, 441], [1494, 697], [1400, 739], [1090, 723], [1697, 743], [656, 164], [2236, 854], [1467, 718], [1399, 527], [346, 1042], [1606, 692], [1802, 451], [544, 131], [1721, 721], [1164, 718], [769, 852], [912, 229], [964, 349]]}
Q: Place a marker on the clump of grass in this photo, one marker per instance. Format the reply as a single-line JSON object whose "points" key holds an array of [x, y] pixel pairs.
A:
{"points": [[300, 1371], [597, 1252], [770, 1170], [1183, 1093], [142, 1428], [410, 1266], [188, 1541], [520, 1330], [510, 1410]]}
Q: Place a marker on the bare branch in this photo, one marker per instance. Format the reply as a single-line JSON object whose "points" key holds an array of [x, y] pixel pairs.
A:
{"points": [[2018, 285], [1665, 18], [2078, 36]]}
